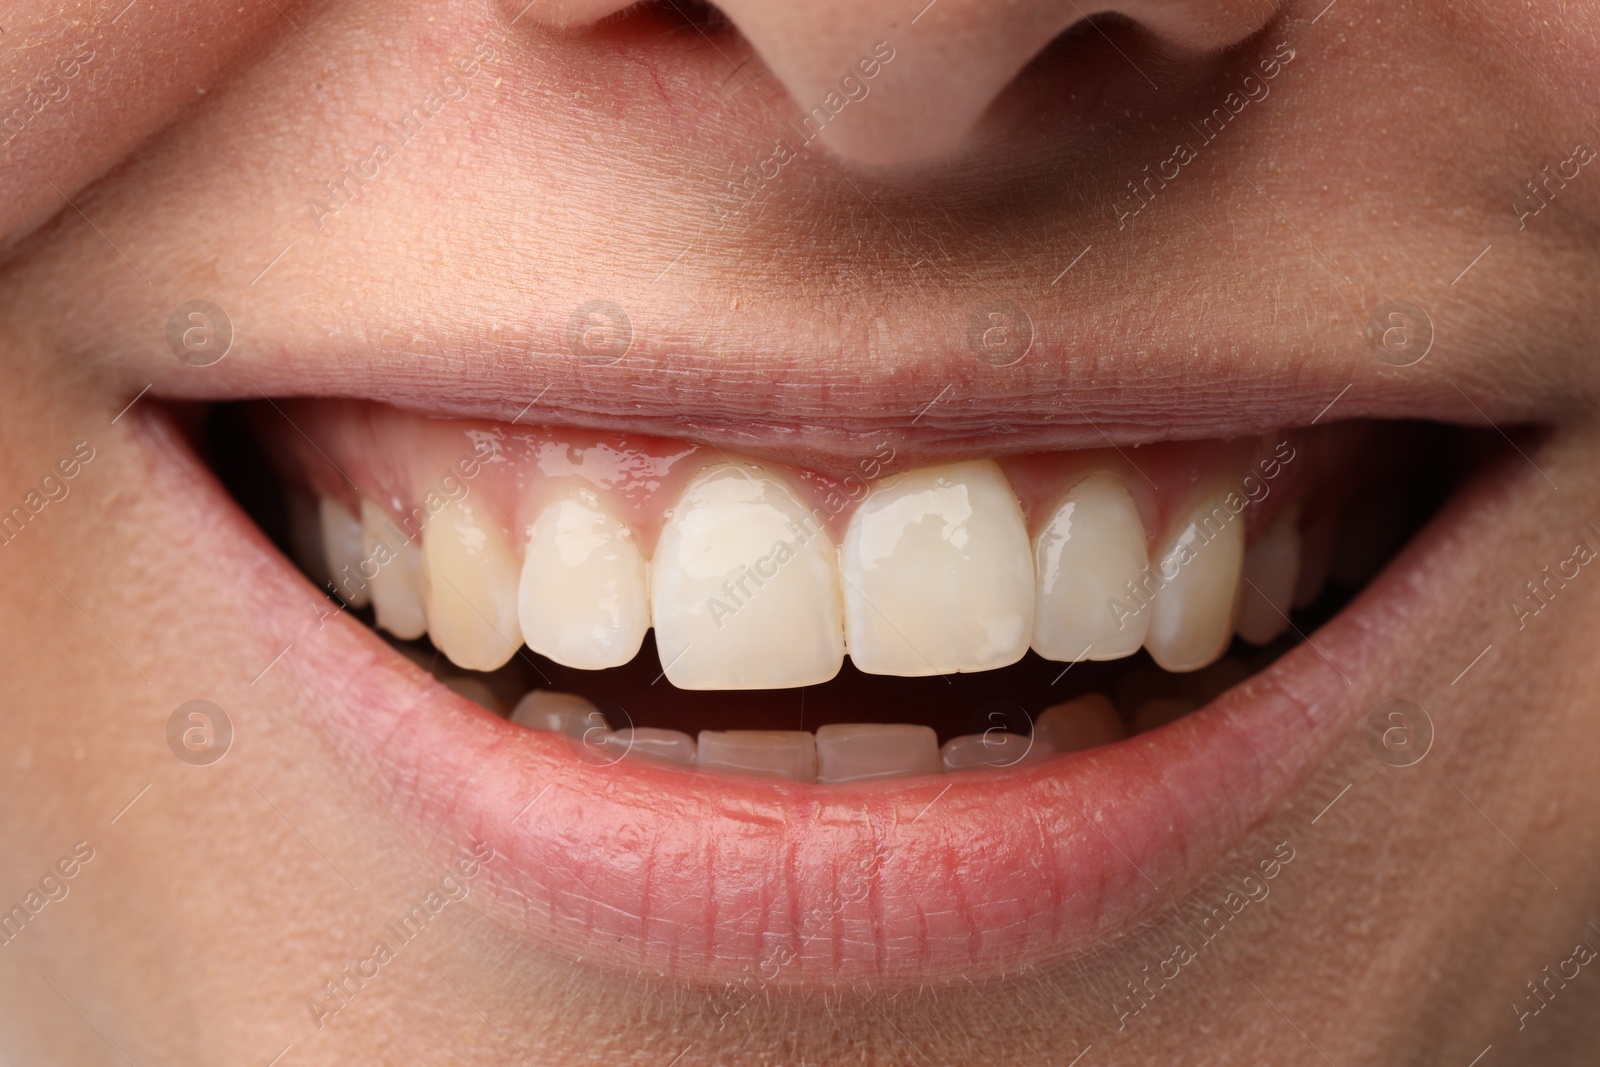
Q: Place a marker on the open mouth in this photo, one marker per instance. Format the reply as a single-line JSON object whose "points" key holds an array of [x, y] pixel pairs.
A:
{"points": [[703, 609], [892, 722]]}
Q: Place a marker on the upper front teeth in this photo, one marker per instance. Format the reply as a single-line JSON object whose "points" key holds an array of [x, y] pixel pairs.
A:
{"points": [[1191, 617], [582, 598], [746, 587], [469, 587], [935, 574], [1091, 547]]}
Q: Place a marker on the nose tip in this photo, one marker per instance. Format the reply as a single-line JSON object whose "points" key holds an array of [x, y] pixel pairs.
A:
{"points": [[903, 81], [896, 83]]}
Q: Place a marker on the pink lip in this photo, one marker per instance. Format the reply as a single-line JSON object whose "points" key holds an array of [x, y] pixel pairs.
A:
{"points": [[734, 880]]}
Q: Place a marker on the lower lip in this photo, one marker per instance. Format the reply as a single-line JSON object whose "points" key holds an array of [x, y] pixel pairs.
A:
{"points": [[724, 879]]}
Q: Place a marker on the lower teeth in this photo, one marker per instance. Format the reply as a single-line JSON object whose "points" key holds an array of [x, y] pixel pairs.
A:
{"points": [[994, 735]]}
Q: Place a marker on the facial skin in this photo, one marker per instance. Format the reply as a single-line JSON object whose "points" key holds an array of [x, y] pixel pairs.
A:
{"points": [[189, 159]]}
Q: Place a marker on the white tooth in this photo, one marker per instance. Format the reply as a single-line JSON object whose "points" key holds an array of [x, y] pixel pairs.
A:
{"points": [[469, 587], [396, 586], [663, 746], [1092, 545], [1191, 616], [1271, 566], [993, 750], [764, 753], [937, 573], [561, 713], [341, 551], [855, 752], [745, 587], [1085, 722], [583, 599]]}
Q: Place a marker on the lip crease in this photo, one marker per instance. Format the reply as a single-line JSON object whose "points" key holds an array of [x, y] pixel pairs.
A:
{"points": [[715, 878]]}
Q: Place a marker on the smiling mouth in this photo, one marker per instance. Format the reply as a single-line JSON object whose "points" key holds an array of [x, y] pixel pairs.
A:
{"points": [[692, 607], [1019, 700]]}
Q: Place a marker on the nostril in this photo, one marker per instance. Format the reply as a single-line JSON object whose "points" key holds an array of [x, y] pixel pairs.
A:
{"points": [[698, 15], [908, 82]]}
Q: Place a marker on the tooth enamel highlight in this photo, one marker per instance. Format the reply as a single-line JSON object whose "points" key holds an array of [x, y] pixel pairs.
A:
{"points": [[1084, 722], [341, 551], [396, 587], [647, 742], [938, 576], [745, 587], [856, 752], [993, 750], [1093, 544], [561, 713], [1271, 566], [469, 588], [1191, 615], [790, 754], [582, 599]]}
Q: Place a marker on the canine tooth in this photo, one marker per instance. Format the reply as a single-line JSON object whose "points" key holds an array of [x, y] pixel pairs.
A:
{"points": [[396, 587], [582, 599], [993, 749], [1191, 615], [1092, 545], [561, 713], [745, 587], [1160, 712], [856, 752], [341, 551], [938, 576], [764, 753], [1085, 722], [469, 587], [648, 742], [1271, 566]]}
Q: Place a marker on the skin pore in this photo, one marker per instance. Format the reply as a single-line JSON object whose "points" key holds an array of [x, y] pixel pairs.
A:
{"points": [[202, 150]]}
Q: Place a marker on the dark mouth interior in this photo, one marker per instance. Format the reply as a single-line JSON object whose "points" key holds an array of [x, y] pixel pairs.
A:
{"points": [[1395, 488]]}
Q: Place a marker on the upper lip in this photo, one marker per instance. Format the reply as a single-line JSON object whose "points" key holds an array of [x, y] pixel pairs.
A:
{"points": [[823, 411]]}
